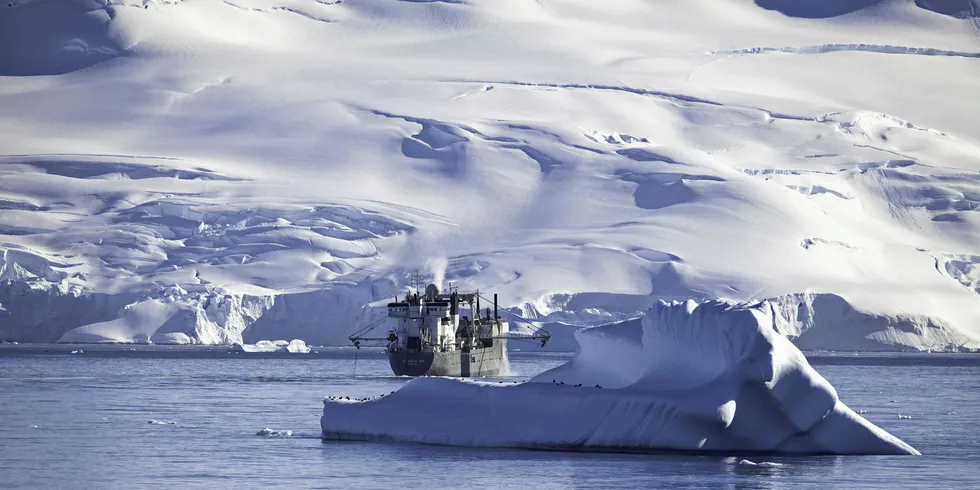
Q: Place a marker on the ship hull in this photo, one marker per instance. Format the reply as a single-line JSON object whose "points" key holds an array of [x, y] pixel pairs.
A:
{"points": [[487, 361]]}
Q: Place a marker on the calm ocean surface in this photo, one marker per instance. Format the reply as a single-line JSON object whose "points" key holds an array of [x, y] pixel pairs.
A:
{"points": [[81, 421]]}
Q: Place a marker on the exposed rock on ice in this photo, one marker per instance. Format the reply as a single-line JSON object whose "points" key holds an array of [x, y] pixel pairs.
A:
{"points": [[709, 377]]}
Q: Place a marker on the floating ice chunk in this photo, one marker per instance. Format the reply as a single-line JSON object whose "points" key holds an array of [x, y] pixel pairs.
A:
{"points": [[295, 346], [904, 417], [709, 377], [162, 422], [764, 464], [32, 427], [274, 432], [78, 351], [260, 346]]}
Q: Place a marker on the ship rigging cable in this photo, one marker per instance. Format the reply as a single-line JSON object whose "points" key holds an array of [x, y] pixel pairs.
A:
{"points": [[356, 337]]}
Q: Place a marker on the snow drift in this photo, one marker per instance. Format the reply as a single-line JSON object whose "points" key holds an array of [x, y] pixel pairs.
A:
{"points": [[714, 377]]}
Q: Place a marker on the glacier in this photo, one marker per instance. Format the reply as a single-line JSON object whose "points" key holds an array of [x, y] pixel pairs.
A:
{"points": [[226, 172], [714, 377]]}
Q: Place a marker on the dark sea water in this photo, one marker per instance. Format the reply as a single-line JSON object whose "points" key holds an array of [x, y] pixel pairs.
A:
{"points": [[81, 421]]}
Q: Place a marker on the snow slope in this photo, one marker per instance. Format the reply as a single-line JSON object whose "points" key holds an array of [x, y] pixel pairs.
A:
{"points": [[709, 377], [231, 171]]}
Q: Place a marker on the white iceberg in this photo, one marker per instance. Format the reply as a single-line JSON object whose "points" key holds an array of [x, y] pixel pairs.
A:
{"points": [[295, 346], [714, 377], [267, 432], [764, 464]]}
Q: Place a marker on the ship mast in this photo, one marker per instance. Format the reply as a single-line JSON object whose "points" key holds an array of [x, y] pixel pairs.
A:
{"points": [[417, 299]]}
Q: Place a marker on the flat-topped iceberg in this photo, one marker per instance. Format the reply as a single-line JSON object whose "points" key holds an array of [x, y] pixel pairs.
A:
{"points": [[711, 377]]}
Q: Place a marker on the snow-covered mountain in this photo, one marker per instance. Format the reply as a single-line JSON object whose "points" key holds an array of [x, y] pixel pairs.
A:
{"points": [[226, 171]]}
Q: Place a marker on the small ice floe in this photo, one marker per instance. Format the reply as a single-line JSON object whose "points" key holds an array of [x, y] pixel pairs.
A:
{"points": [[78, 351], [162, 422], [267, 432], [950, 413], [764, 464], [904, 417], [295, 346], [32, 427], [861, 411]]}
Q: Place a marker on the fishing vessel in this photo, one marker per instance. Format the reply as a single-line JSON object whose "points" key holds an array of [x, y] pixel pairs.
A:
{"points": [[440, 333]]}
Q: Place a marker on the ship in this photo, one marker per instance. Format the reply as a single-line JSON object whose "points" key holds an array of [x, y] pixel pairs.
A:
{"points": [[440, 333]]}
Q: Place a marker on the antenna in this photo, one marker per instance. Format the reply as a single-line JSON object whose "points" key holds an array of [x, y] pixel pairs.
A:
{"points": [[417, 279]]}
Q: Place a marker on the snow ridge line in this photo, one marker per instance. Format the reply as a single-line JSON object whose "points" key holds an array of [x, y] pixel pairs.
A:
{"points": [[638, 91], [282, 9], [673, 97], [832, 48]]}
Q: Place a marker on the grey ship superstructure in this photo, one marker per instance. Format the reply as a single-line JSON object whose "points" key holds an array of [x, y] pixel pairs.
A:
{"points": [[446, 334]]}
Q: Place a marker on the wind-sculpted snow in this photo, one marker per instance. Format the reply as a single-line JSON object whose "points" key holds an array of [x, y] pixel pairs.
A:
{"points": [[246, 170], [710, 377]]}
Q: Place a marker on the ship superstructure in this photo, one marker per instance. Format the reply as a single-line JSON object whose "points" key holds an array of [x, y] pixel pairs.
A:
{"points": [[446, 334]]}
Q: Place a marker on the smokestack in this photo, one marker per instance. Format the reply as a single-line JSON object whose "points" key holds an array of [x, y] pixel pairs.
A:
{"points": [[477, 313], [495, 306], [453, 305]]}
